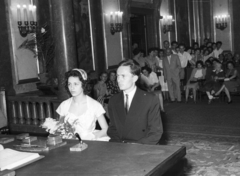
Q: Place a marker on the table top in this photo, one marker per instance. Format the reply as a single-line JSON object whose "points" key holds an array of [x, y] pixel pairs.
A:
{"points": [[103, 159]]}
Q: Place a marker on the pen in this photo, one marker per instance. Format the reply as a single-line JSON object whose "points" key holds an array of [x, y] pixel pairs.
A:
{"points": [[79, 138]]}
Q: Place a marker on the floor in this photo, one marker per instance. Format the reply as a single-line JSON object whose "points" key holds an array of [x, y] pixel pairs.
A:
{"points": [[216, 120]]}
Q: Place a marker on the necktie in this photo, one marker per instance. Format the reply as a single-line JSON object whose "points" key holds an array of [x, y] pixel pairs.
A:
{"points": [[126, 106]]}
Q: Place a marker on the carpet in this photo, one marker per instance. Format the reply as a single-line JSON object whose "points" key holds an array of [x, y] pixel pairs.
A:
{"points": [[217, 118], [206, 155]]}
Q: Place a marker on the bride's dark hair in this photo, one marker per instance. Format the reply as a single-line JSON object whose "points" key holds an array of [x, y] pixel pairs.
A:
{"points": [[76, 73]]}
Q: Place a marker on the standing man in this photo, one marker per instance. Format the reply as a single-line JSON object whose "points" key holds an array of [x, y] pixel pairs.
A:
{"points": [[218, 50], [184, 58], [174, 46], [171, 69], [166, 45], [134, 114]]}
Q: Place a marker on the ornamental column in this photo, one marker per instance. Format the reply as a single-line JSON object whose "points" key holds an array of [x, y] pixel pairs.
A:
{"points": [[65, 42]]}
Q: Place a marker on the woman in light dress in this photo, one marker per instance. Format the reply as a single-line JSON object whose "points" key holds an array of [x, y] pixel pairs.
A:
{"points": [[198, 74], [81, 111]]}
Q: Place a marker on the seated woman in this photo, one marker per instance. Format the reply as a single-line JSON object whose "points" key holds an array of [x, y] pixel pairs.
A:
{"points": [[101, 93], [209, 68], [231, 81], [236, 59], [198, 74], [81, 111], [152, 83], [214, 85], [112, 85]]}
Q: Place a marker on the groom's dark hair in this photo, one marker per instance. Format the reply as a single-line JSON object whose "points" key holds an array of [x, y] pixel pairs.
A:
{"points": [[134, 66]]}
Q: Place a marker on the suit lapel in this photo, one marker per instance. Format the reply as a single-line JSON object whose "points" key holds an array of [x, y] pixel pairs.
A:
{"points": [[121, 111]]}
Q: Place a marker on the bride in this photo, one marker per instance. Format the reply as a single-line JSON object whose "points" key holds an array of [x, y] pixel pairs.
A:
{"points": [[81, 111]]}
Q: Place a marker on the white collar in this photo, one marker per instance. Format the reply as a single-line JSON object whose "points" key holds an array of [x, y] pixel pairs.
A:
{"points": [[132, 92]]}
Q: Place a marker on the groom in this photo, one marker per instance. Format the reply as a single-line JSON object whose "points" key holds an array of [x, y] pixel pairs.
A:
{"points": [[134, 114]]}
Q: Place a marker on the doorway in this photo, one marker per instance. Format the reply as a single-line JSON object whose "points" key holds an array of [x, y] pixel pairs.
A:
{"points": [[139, 31]]}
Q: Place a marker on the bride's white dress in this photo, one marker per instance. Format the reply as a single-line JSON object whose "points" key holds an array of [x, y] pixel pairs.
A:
{"points": [[86, 123]]}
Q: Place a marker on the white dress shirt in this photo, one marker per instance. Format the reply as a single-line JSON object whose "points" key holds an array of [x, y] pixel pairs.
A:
{"points": [[217, 52], [184, 58], [130, 96], [169, 59]]}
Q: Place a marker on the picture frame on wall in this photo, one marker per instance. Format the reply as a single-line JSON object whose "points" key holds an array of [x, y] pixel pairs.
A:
{"points": [[25, 66]]}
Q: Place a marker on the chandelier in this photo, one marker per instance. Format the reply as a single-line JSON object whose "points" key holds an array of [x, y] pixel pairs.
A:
{"points": [[115, 20], [26, 19], [221, 22], [167, 23]]}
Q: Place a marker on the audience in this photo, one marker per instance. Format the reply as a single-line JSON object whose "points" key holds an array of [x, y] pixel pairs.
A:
{"points": [[209, 62]]}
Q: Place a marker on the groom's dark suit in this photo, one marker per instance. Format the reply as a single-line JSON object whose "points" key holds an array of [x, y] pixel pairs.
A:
{"points": [[142, 123]]}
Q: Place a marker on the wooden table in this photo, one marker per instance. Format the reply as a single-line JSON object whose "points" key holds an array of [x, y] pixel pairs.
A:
{"points": [[105, 159]]}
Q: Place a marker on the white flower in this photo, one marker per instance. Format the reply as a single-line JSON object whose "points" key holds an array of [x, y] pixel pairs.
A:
{"points": [[43, 30], [51, 125]]}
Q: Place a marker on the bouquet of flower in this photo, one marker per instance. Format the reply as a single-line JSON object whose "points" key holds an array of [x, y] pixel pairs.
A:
{"points": [[62, 128]]}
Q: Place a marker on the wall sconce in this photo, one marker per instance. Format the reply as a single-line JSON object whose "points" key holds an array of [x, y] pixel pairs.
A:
{"points": [[29, 19], [167, 22], [221, 21], [116, 24]]}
